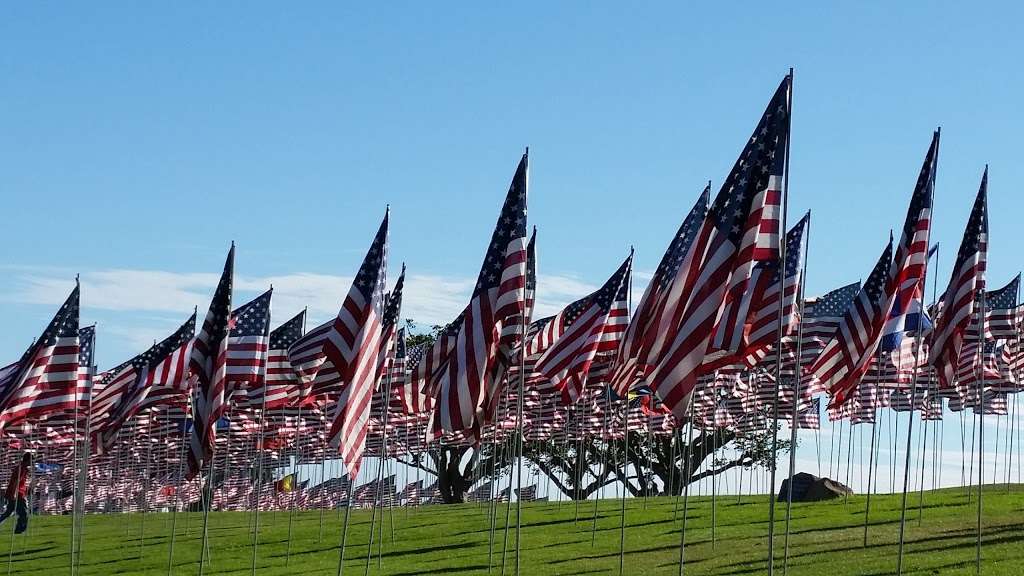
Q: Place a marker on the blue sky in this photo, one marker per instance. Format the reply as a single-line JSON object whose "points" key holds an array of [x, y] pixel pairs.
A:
{"points": [[139, 140]]}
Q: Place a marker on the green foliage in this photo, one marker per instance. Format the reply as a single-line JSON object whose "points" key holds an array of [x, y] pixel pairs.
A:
{"points": [[414, 337]]}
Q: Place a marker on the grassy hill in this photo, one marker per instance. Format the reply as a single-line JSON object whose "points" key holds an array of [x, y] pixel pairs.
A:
{"points": [[827, 538]]}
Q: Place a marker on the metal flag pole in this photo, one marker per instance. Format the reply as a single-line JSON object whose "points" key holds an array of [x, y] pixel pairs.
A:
{"points": [[778, 337], [980, 409], [344, 528], [797, 381], [177, 490], [295, 483], [1010, 433], [831, 446], [323, 480], [379, 496], [210, 477], [260, 453], [625, 485], [607, 434], [521, 427], [497, 416], [146, 483], [675, 508], [923, 463], [686, 487], [913, 394], [81, 484], [625, 455], [871, 457]]}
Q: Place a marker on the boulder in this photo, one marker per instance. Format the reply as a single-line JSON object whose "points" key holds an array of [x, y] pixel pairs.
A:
{"points": [[810, 488]]}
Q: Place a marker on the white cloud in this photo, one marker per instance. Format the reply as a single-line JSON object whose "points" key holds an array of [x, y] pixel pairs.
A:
{"points": [[429, 299]]}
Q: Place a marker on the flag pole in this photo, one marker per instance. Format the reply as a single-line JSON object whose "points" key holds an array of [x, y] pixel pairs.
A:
{"points": [[177, 490], [625, 484], [84, 477], [379, 496], [686, 486], [981, 421], [871, 458], [607, 434], [778, 337], [209, 500], [913, 395], [1013, 418], [344, 529], [148, 438], [493, 504], [625, 436], [259, 455], [519, 408], [291, 507], [798, 380]]}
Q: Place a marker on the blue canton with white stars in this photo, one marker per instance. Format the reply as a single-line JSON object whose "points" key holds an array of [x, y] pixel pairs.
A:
{"points": [[763, 157], [286, 334], [252, 319], [511, 224], [834, 303], [682, 241]]}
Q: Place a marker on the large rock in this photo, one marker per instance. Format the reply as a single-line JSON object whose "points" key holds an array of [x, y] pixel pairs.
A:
{"points": [[810, 488]]}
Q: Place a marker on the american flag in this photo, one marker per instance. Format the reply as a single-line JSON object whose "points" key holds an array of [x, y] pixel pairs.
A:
{"points": [[911, 259], [740, 229], [590, 326], [352, 347], [978, 362], [843, 360], [632, 353], [489, 321], [389, 326], [86, 366], [45, 379], [162, 369], [407, 360], [425, 372], [822, 318], [763, 319], [306, 357], [958, 300], [1002, 315], [280, 387], [247, 345], [810, 418], [209, 366]]}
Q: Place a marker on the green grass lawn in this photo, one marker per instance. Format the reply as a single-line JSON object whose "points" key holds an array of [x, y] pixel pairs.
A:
{"points": [[827, 538]]}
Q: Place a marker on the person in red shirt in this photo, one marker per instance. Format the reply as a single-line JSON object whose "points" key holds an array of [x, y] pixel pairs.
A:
{"points": [[17, 490]]}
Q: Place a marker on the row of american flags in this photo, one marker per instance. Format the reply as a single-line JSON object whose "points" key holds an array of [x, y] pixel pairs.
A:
{"points": [[723, 336]]}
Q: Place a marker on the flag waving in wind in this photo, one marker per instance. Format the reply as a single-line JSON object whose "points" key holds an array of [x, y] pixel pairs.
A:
{"points": [[840, 365], [848, 355], [209, 367], [589, 326], [491, 324], [958, 301], [352, 348], [45, 380], [631, 358], [741, 229], [164, 365]]}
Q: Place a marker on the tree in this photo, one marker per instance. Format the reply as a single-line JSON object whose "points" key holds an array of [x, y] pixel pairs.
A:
{"points": [[577, 468], [459, 467], [582, 467]]}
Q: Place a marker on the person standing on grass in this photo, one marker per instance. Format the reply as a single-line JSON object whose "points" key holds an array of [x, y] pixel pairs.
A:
{"points": [[17, 489]]}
